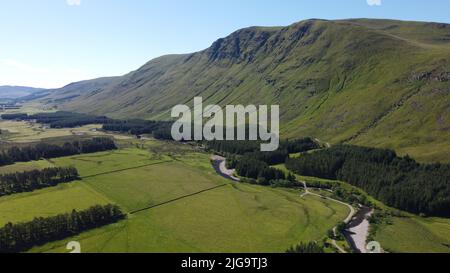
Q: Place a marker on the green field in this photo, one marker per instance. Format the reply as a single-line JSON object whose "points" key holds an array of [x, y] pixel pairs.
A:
{"points": [[234, 218], [187, 206], [152, 185], [48, 202], [415, 234], [26, 132], [28, 166], [179, 204]]}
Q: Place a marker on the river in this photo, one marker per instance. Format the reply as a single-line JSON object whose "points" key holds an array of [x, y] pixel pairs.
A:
{"points": [[358, 230]]}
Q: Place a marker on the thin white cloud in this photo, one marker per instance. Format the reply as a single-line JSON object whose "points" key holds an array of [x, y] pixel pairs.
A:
{"points": [[73, 2], [374, 2]]}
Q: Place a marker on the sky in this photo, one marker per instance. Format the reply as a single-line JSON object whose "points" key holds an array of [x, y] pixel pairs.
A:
{"points": [[51, 43]]}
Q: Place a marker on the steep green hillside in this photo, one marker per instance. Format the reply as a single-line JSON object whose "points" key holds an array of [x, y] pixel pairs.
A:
{"points": [[76, 90], [368, 82]]}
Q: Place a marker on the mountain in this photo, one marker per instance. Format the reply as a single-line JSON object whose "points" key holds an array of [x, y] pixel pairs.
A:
{"points": [[14, 92], [380, 83], [80, 91]]}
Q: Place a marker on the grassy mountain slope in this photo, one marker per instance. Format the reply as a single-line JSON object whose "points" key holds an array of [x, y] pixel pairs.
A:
{"points": [[14, 92], [368, 82], [76, 90]]}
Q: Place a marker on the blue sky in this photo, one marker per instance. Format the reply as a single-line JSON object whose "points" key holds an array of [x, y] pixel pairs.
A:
{"points": [[50, 43]]}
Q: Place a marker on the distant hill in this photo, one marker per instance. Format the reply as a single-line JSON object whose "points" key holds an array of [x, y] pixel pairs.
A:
{"points": [[14, 92], [369, 82], [77, 90]]}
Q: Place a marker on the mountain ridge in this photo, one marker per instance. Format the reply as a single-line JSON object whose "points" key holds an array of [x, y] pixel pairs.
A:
{"points": [[15, 92], [369, 82]]}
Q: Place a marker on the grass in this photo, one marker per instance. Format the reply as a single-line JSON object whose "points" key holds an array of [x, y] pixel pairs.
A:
{"points": [[415, 235], [21, 131], [48, 202], [235, 218], [110, 161], [337, 80], [401, 234], [25, 132], [153, 184], [229, 218], [31, 108], [28, 166], [319, 182]]}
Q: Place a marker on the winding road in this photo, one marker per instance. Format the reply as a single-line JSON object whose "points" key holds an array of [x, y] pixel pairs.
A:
{"points": [[347, 220]]}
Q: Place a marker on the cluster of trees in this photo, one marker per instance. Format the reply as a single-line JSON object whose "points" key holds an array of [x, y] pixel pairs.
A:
{"points": [[233, 147], [251, 149], [287, 147], [15, 116], [399, 182], [259, 172], [16, 238], [306, 248], [163, 133], [299, 145], [351, 196], [251, 163], [159, 129], [271, 158], [60, 119], [36, 179], [44, 150], [253, 168]]}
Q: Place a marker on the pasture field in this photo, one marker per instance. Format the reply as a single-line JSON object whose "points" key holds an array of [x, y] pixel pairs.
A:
{"points": [[47, 202], [109, 161], [187, 207], [177, 203], [413, 234], [26, 132], [151, 185], [31, 108], [25, 166], [21, 131], [232, 218], [93, 164]]}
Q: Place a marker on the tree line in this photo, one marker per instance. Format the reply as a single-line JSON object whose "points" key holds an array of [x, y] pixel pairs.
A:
{"points": [[399, 182], [20, 237], [254, 165], [45, 150], [288, 146], [306, 248], [258, 172], [36, 179], [60, 119], [255, 169], [159, 129]]}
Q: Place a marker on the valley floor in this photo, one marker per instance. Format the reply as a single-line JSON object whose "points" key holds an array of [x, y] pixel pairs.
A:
{"points": [[176, 203]]}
